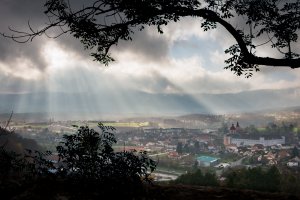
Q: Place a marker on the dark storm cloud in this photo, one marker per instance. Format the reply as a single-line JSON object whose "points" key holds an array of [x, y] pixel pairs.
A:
{"points": [[147, 45], [263, 42], [16, 14], [156, 82]]}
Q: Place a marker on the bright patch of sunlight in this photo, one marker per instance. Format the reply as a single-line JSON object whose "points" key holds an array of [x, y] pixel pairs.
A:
{"points": [[21, 68], [57, 57]]}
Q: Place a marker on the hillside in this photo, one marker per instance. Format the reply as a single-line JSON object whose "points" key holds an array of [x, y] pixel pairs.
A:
{"points": [[51, 190], [181, 192], [66, 105]]}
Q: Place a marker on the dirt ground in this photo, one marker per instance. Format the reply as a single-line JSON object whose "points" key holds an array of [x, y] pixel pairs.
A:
{"points": [[56, 190], [206, 193]]}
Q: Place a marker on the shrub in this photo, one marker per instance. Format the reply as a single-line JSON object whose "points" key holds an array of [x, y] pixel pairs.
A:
{"points": [[87, 165]]}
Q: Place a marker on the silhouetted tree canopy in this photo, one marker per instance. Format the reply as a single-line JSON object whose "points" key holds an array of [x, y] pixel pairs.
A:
{"points": [[89, 155], [100, 24], [255, 179], [198, 178], [179, 147], [86, 165]]}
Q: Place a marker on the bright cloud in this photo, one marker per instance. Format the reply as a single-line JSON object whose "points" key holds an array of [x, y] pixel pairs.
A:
{"points": [[184, 60], [22, 68]]}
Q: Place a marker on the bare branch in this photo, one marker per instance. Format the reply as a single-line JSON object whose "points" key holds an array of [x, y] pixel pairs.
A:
{"points": [[9, 119], [92, 25]]}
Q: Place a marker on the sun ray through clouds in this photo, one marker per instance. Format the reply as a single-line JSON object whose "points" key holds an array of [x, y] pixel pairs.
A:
{"points": [[175, 83]]}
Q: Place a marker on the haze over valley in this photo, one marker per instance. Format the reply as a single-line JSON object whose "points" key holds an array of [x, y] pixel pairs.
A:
{"points": [[133, 103], [105, 100]]}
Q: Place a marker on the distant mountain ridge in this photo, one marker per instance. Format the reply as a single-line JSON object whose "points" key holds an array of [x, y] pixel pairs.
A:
{"points": [[135, 103]]}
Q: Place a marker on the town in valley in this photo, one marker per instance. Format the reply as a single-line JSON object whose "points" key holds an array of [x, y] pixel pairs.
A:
{"points": [[182, 143]]}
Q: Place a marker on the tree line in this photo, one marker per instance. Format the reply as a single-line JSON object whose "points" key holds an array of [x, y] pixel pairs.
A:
{"points": [[101, 24], [269, 179], [85, 166]]}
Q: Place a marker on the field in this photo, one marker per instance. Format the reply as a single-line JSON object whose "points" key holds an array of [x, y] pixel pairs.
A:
{"points": [[262, 129], [122, 124]]}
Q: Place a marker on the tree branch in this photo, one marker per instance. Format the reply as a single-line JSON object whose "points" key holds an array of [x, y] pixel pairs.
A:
{"points": [[248, 57], [82, 24]]}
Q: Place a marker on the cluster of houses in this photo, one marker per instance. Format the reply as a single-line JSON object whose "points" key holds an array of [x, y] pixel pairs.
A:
{"points": [[237, 137], [159, 139], [255, 149], [267, 155], [258, 149], [255, 155]]}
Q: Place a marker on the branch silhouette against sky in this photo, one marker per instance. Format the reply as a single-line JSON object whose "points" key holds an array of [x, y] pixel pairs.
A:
{"points": [[150, 71], [101, 24]]}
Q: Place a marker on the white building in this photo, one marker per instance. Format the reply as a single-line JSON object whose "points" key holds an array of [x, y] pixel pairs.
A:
{"points": [[245, 140]]}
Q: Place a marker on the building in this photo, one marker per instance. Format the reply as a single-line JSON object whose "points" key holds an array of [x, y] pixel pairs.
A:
{"points": [[250, 140], [227, 140], [294, 162], [232, 129], [207, 161], [235, 129]]}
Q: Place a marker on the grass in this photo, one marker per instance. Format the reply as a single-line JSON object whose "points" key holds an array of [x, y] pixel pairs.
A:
{"points": [[122, 124], [262, 129], [170, 170]]}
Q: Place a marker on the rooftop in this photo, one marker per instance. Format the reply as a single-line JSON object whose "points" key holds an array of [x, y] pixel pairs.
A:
{"points": [[255, 137], [207, 159]]}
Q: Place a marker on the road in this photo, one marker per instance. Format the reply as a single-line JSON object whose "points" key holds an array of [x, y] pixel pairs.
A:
{"points": [[237, 163], [232, 164], [158, 154]]}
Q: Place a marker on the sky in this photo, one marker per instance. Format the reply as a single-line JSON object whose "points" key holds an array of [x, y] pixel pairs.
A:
{"points": [[184, 61]]}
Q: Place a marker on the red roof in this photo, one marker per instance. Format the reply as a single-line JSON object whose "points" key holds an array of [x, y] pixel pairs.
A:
{"points": [[232, 128]]}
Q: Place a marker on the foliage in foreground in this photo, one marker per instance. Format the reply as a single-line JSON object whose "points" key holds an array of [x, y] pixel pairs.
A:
{"points": [[89, 155], [101, 24], [255, 179], [86, 164], [198, 178], [270, 179]]}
